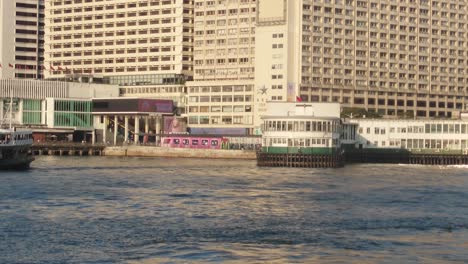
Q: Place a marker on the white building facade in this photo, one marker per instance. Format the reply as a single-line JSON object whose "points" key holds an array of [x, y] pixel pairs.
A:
{"points": [[390, 57], [221, 97], [414, 135], [138, 45], [22, 39]]}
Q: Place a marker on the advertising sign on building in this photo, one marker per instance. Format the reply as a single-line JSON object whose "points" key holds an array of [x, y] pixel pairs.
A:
{"points": [[174, 125]]}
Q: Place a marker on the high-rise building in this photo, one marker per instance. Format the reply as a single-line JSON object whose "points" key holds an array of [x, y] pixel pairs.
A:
{"points": [[145, 47], [221, 97], [22, 42], [394, 58]]}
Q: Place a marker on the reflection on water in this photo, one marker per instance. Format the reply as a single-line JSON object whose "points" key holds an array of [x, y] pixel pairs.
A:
{"points": [[135, 210]]}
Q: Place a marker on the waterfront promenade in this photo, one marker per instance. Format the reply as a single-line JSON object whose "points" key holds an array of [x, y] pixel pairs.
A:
{"points": [[84, 149]]}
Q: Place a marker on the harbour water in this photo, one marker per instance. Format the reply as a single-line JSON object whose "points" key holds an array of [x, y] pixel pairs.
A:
{"points": [[156, 210]]}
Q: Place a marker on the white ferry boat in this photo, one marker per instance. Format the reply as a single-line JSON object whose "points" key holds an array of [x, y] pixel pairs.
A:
{"points": [[15, 149]]}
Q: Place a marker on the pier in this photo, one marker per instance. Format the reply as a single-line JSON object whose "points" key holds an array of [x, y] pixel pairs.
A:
{"points": [[401, 156], [299, 160], [67, 149]]}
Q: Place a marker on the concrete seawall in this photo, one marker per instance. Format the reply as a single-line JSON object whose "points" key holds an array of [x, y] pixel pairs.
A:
{"points": [[144, 151]]}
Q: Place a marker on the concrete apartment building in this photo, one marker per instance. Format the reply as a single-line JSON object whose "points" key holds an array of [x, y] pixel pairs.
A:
{"points": [[391, 57], [22, 43], [221, 97], [145, 47]]}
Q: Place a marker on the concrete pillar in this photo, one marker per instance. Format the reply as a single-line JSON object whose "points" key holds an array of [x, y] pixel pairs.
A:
{"points": [[137, 129], [116, 124], [93, 137], [20, 111], [158, 129], [104, 134], [146, 125], [126, 128]]}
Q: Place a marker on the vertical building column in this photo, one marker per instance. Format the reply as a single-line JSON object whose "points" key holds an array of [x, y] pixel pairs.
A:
{"points": [[116, 125], [158, 130], [137, 129], [20, 111], [93, 137], [104, 131], [126, 129], [146, 125], [43, 111]]}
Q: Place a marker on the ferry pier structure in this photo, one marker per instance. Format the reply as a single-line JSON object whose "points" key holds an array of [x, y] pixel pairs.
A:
{"points": [[308, 135], [313, 135]]}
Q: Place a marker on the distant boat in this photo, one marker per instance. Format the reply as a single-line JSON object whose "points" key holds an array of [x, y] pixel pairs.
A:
{"points": [[15, 149]]}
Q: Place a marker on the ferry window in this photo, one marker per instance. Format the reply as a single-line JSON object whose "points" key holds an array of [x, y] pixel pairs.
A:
{"points": [[214, 142], [204, 142], [428, 128], [289, 126], [439, 128], [392, 130], [457, 128], [283, 126], [445, 128], [185, 141], [308, 126], [314, 126], [382, 131], [167, 140], [319, 126], [176, 141], [376, 130], [463, 128], [301, 126], [195, 142], [368, 130]]}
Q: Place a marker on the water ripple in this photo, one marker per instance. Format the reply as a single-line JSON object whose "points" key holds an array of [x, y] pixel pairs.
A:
{"points": [[141, 210]]}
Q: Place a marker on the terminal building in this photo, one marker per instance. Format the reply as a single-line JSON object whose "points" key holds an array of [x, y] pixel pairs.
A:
{"points": [[53, 110], [134, 120]]}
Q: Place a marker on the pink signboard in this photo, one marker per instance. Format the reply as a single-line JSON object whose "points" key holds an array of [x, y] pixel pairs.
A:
{"points": [[155, 106], [174, 125]]}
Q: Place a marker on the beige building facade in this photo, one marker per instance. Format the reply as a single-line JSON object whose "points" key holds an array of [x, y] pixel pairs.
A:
{"points": [[22, 39], [221, 97], [138, 45], [392, 57]]}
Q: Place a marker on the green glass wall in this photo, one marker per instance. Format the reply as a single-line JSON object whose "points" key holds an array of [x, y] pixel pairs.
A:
{"points": [[73, 114], [32, 112]]}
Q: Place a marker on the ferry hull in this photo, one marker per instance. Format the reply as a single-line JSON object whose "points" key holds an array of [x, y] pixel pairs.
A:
{"points": [[16, 164], [15, 158]]}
